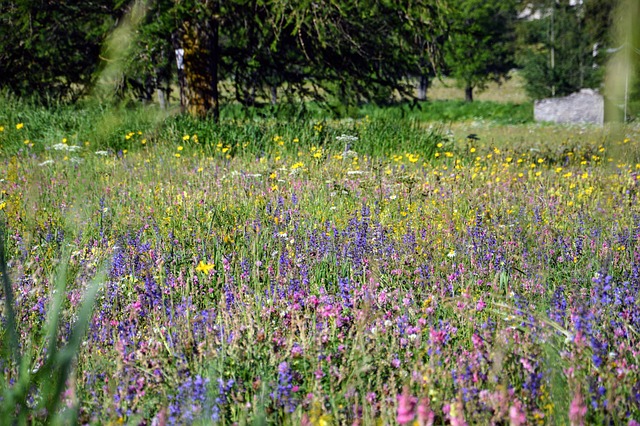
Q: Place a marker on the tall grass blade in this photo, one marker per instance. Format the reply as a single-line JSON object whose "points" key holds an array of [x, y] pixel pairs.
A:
{"points": [[10, 343]]}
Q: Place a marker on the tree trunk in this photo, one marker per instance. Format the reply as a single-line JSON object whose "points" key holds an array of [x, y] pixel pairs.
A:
{"points": [[468, 94], [201, 57], [423, 85]]}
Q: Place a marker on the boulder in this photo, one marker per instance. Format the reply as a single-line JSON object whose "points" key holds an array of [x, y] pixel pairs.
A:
{"points": [[585, 106]]}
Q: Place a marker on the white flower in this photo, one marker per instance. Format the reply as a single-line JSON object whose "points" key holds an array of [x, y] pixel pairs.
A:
{"points": [[64, 147], [346, 138], [356, 172], [451, 254], [46, 163], [103, 153]]}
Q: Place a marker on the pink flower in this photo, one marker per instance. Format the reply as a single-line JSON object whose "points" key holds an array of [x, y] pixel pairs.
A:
{"points": [[406, 404], [517, 416], [577, 410], [426, 416], [455, 414]]}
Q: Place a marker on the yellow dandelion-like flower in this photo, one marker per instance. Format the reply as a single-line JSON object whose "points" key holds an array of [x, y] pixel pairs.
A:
{"points": [[19, 126], [204, 267], [186, 137]]}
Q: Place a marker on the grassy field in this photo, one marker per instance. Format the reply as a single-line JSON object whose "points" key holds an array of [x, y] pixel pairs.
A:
{"points": [[510, 91], [377, 270]]}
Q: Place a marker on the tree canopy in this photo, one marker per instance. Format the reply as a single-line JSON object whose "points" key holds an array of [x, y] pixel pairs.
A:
{"points": [[259, 52]]}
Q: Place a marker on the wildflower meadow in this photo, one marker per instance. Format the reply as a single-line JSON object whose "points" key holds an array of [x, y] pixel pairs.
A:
{"points": [[317, 273]]}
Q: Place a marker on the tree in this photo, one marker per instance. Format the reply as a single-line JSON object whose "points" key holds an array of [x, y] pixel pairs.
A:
{"points": [[564, 47], [364, 51], [50, 49], [352, 51], [149, 66], [481, 43]]}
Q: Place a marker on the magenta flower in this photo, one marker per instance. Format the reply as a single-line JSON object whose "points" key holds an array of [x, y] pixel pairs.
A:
{"points": [[406, 405], [577, 410], [517, 416], [426, 416]]}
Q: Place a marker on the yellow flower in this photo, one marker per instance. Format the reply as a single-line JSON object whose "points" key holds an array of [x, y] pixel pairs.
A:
{"points": [[1, 128], [204, 267], [19, 126], [186, 137], [180, 148]]}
